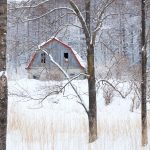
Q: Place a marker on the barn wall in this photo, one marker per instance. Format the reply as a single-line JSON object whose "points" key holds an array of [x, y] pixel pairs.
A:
{"points": [[37, 61], [73, 72], [57, 50], [43, 73]]}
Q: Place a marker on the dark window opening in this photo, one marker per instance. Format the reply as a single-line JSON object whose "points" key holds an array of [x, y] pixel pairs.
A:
{"points": [[66, 56], [35, 77], [72, 74], [43, 58]]}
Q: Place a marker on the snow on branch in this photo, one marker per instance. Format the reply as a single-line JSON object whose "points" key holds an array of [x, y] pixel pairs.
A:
{"points": [[54, 62], [81, 19], [63, 87], [100, 20], [69, 80], [123, 96], [3, 73], [32, 6], [55, 9]]}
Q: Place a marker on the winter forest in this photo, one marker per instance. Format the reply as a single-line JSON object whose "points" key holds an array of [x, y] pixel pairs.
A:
{"points": [[74, 75]]}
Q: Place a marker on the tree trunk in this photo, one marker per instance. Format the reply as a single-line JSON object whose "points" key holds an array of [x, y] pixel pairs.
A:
{"points": [[3, 78], [92, 114], [144, 77]]}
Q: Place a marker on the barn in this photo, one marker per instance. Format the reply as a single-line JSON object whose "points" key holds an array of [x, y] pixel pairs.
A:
{"points": [[40, 67]]}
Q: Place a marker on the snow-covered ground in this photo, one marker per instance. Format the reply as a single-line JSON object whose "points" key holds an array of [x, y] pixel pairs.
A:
{"points": [[60, 123]]}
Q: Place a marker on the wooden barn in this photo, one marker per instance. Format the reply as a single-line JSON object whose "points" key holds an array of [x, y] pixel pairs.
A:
{"points": [[40, 67]]}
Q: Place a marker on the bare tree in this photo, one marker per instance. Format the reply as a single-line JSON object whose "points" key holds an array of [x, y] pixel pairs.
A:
{"points": [[91, 33], [86, 25], [3, 78]]}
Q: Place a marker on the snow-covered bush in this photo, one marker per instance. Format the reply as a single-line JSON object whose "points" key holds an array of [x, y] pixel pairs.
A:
{"points": [[108, 94]]}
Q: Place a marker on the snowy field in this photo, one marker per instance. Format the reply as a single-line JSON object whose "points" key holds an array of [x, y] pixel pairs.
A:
{"points": [[60, 123]]}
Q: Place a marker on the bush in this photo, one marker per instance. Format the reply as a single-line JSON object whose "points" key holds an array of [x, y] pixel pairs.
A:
{"points": [[108, 94]]}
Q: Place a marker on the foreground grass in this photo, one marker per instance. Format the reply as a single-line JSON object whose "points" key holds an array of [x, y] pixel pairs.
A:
{"points": [[38, 130]]}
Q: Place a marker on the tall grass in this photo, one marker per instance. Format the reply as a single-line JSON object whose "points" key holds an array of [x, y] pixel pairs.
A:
{"points": [[59, 131]]}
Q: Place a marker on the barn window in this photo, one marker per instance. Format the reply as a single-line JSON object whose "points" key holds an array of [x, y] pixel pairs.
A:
{"points": [[66, 56], [72, 74], [43, 58], [36, 77]]}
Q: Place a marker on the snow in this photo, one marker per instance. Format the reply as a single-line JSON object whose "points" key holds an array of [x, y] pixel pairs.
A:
{"points": [[3, 73], [42, 44], [82, 62], [60, 123]]}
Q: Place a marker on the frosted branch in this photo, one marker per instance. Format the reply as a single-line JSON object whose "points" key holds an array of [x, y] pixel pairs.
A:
{"points": [[81, 19], [69, 80], [59, 8], [123, 96], [32, 6]]}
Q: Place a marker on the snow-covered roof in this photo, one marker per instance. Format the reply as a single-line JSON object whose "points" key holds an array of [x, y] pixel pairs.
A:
{"points": [[77, 56], [81, 62], [43, 43]]}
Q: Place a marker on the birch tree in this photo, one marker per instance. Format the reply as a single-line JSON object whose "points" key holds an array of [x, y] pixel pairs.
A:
{"points": [[3, 78], [143, 76]]}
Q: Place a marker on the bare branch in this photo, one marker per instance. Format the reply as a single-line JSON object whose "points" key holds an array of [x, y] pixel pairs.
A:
{"points": [[82, 20], [32, 6], [59, 8], [67, 76], [99, 22], [112, 87]]}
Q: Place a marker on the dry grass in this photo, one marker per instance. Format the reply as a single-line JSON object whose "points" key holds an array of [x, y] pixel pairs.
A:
{"points": [[55, 132], [43, 130]]}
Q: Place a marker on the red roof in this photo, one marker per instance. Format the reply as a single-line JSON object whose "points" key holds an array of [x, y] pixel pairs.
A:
{"points": [[31, 61], [65, 45]]}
